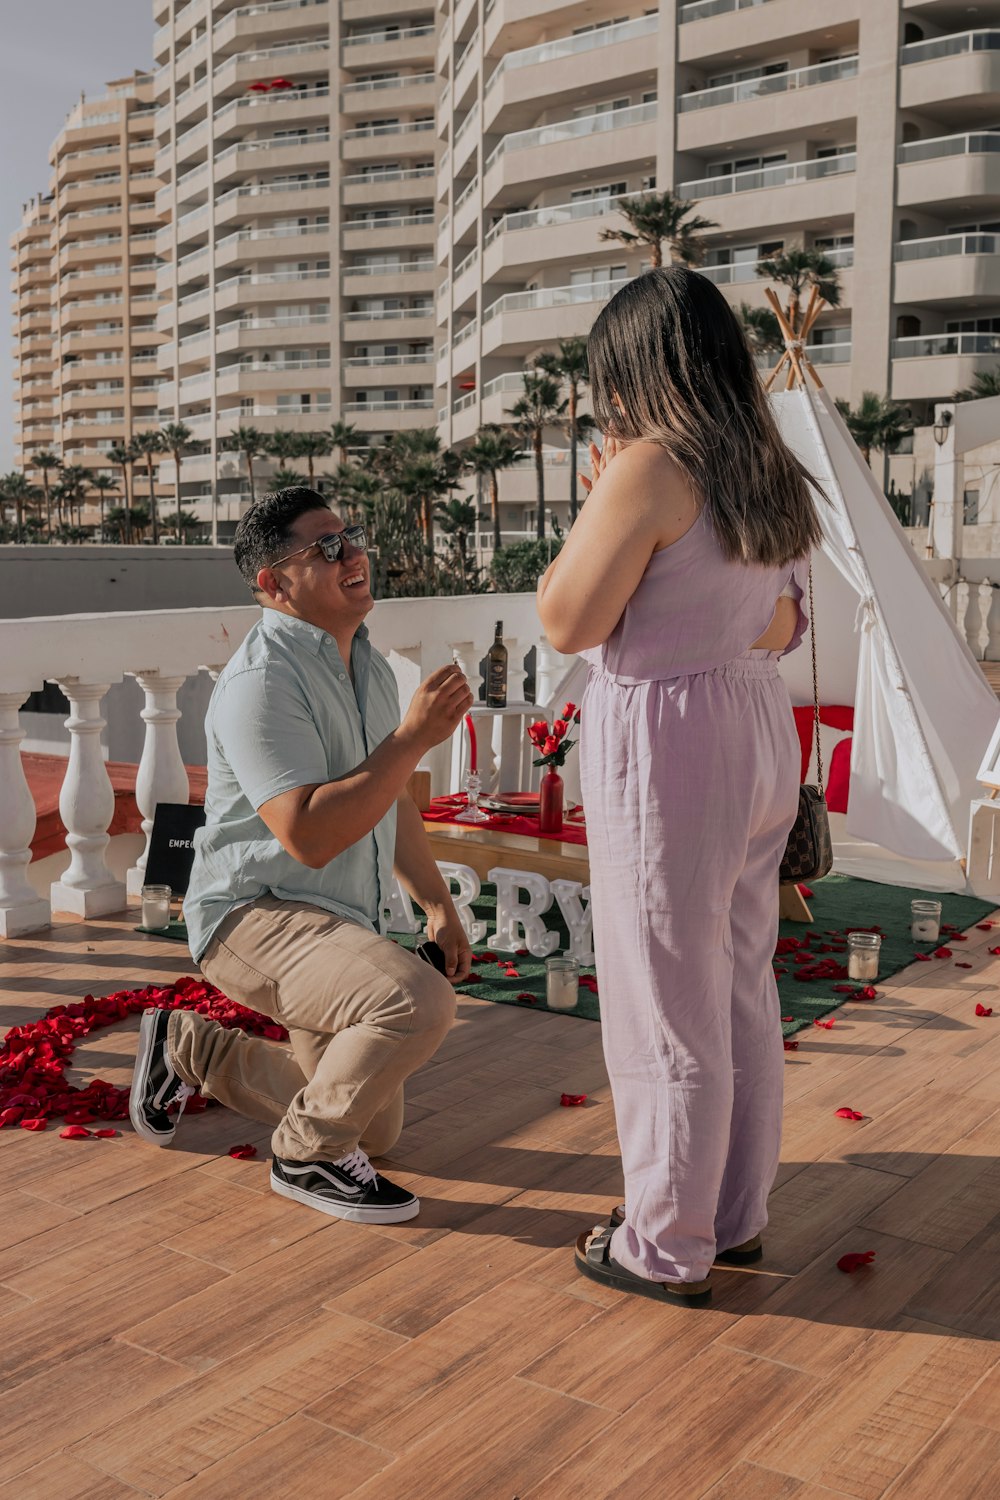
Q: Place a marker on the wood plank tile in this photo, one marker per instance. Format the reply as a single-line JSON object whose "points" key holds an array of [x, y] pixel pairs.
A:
{"points": [[67, 1478], [902, 1141], [823, 1316], [967, 1297], [476, 1457], [416, 1388], [953, 1199], [22, 1217], [730, 1398], [288, 1460], [962, 1459], [808, 1212], [215, 1414], [72, 1396], [260, 1227], [982, 1405], [283, 1288], [750, 1482]]}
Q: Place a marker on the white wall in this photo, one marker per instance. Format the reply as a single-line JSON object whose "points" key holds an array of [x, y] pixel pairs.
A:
{"points": [[91, 580]]}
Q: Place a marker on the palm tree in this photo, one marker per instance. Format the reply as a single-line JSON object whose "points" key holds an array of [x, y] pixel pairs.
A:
{"points": [[176, 437], [16, 490], [145, 445], [984, 383], [540, 407], [181, 524], [283, 445], [104, 484], [284, 479], [657, 219], [762, 329], [343, 435], [493, 448], [124, 456], [877, 422], [46, 460], [76, 481], [799, 269], [310, 446], [252, 443], [569, 365]]}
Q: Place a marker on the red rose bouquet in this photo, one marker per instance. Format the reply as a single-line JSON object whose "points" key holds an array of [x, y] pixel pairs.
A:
{"points": [[552, 744]]}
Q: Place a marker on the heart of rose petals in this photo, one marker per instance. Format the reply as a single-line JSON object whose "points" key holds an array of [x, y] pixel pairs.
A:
{"points": [[570, 1100], [854, 1260], [242, 1153], [983, 1010], [844, 1113]]}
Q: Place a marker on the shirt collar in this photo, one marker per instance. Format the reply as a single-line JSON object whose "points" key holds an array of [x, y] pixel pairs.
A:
{"points": [[310, 636]]}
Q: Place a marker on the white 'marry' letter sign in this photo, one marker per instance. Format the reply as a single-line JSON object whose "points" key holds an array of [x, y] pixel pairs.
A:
{"points": [[514, 915], [469, 889], [571, 895], [397, 911]]}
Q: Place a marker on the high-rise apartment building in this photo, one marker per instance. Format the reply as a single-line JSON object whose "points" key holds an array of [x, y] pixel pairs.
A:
{"points": [[85, 285], [297, 144], [870, 128]]}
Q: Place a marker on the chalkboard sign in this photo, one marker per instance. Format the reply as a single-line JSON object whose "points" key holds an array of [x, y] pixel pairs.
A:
{"points": [[171, 848]]}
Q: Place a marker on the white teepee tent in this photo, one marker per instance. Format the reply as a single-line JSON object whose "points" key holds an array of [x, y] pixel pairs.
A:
{"points": [[886, 645]]}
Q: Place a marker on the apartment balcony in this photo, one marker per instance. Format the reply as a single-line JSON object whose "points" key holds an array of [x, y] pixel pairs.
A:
{"points": [[739, 281], [954, 74], [379, 48], [259, 25], [468, 206], [387, 370], [266, 112], [714, 28], [277, 199], [375, 142], [388, 416], [409, 184], [465, 281], [566, 67], [262, 244], [544, 236], [959, 268], [401, 232], [963, 168], [930, 368], [260, 156], [305, 57], [551, 153], [466, 69], [779, 105], [411, 91], [387, 324], [522, 321], [263, 379], [415, 277], [308, 416], [788, 194]]}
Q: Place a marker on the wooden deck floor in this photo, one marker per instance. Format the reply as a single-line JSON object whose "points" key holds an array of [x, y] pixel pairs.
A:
{"points": [[170, 1327]]}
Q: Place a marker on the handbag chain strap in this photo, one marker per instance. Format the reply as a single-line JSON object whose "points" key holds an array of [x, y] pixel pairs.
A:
{"points": [[812, 642]]}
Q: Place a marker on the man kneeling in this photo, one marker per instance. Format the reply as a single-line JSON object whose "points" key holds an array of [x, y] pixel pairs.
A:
{"points": [[307, 813]]}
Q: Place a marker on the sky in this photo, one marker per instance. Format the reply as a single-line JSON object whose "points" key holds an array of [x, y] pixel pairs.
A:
{"points": [[52, 51]]}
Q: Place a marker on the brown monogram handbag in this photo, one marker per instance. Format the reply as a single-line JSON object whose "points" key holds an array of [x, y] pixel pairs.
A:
{"points": [[809, 851]]}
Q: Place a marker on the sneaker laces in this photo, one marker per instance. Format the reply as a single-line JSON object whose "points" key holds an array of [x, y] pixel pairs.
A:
{"points": [[180, 1097], [358, 1166]]}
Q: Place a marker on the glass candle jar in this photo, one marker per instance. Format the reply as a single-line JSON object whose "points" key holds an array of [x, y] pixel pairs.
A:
{"points": [[562, 983], [925, 921], [156, 907], [862, 955]]}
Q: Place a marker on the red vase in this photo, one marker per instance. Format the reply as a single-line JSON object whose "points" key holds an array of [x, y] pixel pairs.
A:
{"points": [[550, 803]]}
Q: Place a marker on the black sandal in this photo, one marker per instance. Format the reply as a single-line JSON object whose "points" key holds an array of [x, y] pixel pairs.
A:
{"points": [[747, 1254], [594, 1259]]}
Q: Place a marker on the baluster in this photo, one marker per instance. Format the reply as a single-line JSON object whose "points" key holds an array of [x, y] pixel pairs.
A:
{"points": [[550, 668], [21, 909], [972, 618], [86, 806], [516, 652], [993, 625], [985, 600], [161, 776]]}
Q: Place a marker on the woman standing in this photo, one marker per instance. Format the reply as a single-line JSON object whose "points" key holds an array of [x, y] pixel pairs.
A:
{"points": [[681, 584]]}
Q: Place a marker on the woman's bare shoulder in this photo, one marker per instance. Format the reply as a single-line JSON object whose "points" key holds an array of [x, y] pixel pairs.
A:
{"points": [[659, 487]]}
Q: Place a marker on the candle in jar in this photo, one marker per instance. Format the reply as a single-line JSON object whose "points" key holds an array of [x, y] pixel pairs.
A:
{"points": [[156, 907], [863, 955], [562, 983], [925, 921]]}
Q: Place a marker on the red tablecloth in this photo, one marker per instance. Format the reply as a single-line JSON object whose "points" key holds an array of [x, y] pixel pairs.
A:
{"points": [[443, 810], [45, 775]]}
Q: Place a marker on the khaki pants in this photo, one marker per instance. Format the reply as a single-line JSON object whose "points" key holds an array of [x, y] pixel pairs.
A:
{"points": [[362, 1014]]}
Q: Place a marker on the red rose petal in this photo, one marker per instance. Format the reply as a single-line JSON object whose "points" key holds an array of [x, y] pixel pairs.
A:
{"points": [[963, 966], [790, 1046], [983, 1010], [993, 950], [984, 926], [526, 998], [242, 1153], [74, 1133], [569, 1100], [844, 989], [854, 1260], [844, 1113], [826, 1025], [787, 1018], [942, 953], [105, 1135], [925, 958], [36, 1124]]}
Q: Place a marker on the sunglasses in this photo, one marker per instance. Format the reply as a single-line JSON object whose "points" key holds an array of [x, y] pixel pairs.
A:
{"points": [[331, 545]]}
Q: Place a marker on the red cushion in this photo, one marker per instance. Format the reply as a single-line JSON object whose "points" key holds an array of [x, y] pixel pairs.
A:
{"points": [[45, 775]]}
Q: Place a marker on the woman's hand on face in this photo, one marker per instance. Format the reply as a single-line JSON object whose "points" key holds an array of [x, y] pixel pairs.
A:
{"points": [[599, 460]]}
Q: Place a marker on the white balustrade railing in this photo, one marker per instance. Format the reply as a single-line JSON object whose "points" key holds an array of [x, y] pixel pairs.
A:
{"points": [[161, 650]]}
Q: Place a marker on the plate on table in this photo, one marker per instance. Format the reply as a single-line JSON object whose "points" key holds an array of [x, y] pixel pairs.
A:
{"points": [[514, 804]]}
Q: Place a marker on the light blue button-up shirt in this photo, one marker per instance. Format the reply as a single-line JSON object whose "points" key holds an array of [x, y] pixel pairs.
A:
{"points": [[283, 715]]}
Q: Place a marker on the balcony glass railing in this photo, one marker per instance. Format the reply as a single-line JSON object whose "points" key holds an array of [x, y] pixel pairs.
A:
{"points": [[465, 263], [236, 107], [502, 385], [740, 272], [383, 361], [464, 333], [402, 34], [570, 46], [403, 174], [936, 344], [398, 127], [569, 130], [553, 296], [386, 314], [264, 10], [975, 143], [403, 81], [425, 405], [769, 83], [697, 10], [466, 193], [770, 177], [948, 244], [466, 52], [396, 268], [266, 54], [950, 46], [557, 213], [817, 354]]}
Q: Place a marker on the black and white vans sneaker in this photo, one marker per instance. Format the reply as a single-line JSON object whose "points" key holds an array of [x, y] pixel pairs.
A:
{"points": [[348, 1189], [155, 1084]]}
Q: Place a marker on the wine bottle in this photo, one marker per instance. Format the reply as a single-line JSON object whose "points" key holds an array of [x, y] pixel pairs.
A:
{"points": [[496, 671]]}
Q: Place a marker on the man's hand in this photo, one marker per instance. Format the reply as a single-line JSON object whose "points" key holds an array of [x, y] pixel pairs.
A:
{"points": [[445, 929], [438, 707]]}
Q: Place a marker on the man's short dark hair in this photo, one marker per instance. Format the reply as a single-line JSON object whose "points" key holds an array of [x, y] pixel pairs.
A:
{"points": [[264, 533]]}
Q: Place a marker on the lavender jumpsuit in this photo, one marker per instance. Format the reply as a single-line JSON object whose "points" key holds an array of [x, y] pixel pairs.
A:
{"points": [[690, 773]]}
